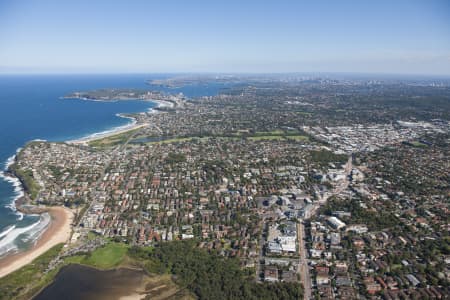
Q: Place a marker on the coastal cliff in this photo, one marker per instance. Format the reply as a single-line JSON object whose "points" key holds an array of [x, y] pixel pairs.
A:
{"points": [[26, 178], [29, 184]]}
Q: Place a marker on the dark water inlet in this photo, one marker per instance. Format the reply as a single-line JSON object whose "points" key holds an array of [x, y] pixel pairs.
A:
{"points": [[76, 282]]}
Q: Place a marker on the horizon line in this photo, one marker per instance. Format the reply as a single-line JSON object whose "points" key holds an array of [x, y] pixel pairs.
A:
{"points": [[224, 73]]}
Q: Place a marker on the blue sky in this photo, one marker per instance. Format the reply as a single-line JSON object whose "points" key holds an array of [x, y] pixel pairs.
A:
{"points": [[84, 36]]}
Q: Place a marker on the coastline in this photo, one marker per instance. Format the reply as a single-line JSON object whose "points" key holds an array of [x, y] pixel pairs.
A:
{"points": [[100, 135], [58, 231], [134, 124], [19, 190], [162, 103]]}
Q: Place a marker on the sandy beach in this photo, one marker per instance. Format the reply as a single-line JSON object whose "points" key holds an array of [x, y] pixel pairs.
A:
{"points": [[121, 129], [58, 231], [162, 103], [97, 136]]}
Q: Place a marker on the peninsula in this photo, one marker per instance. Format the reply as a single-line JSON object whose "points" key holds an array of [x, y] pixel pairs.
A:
{"points": [[297, 186], [165, 100]]}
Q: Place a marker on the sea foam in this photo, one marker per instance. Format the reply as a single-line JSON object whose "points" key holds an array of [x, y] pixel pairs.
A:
{"points": [[15, 182], [7, 230], [28, 234]]}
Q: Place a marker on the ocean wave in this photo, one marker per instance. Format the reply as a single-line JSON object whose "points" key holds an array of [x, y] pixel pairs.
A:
{"points": [[15, 182], [159, 104], [20, 215], [18, 192], [34, 233], [10, 248], [11, 159], [7, 230], [133, 119], [29, 234]]}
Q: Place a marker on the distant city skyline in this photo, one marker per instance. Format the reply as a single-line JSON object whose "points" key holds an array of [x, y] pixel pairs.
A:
{"points": [[392, 37]]}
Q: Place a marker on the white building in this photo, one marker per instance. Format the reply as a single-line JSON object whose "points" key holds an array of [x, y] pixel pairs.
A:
{"points": [[336, 223]]}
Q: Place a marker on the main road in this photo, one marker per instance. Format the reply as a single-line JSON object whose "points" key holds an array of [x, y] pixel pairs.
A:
{"points": [[303, 268], [103, 172]]}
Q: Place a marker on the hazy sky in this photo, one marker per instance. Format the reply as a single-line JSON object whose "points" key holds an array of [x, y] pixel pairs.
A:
{"points": [[392, 36]]}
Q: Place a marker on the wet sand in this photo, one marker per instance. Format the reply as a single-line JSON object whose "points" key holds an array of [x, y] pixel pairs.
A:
{"points": [[58, 231]]}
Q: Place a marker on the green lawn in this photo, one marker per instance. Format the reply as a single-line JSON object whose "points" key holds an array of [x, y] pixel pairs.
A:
{"points": [[292, 132], [266, 137], [418, 144], [298, 138], [174, 140], [31, 186], [113, 140], [266, 133], [28, 280], [25, 282], [76, 259], [106, 257], [203, 139]]}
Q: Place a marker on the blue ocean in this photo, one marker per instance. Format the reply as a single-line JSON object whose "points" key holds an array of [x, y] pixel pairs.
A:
{"points": [[31, 108]]}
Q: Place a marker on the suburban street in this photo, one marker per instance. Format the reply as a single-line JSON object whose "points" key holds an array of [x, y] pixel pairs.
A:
{"points": [[305, 277]]}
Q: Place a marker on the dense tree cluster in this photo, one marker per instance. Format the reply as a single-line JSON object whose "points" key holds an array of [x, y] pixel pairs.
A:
{"points": [[208, 275]]}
